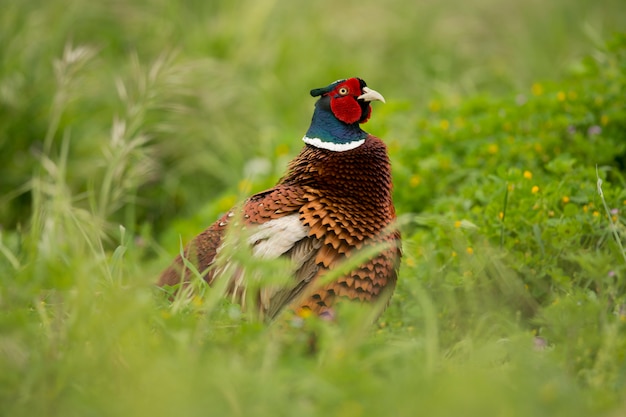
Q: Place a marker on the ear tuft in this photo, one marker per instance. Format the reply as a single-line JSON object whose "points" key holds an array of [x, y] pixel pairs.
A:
{"points": [[318, 91], [323, 90]]}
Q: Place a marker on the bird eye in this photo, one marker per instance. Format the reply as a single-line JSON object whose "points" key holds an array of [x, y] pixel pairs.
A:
{"points": [[343, 91]]}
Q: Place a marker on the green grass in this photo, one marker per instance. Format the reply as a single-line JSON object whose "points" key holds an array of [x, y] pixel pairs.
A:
{"points": [[126, 125]]}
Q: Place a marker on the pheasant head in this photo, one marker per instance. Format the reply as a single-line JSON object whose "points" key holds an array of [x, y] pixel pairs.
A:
{"points": [[341, 108]]}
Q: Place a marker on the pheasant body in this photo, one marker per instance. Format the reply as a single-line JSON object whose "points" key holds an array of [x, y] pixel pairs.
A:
{"points": [[334, 200]]}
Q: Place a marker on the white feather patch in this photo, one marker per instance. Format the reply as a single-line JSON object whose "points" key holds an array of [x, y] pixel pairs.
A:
{"points": [[336, 147], [273, 238]]}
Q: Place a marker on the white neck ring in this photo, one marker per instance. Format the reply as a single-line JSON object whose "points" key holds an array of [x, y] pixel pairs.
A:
{"points": [[335, 147]]}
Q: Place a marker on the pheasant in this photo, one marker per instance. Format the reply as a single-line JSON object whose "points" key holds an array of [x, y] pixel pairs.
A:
{"points": [[334, 200]]}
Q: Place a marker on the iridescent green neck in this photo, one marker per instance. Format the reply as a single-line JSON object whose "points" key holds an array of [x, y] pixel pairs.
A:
{"points": [[327, 132]]}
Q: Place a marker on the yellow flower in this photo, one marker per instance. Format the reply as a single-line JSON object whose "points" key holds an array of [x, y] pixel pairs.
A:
{"points": [[565, 199], [561, 96], [528, 175], [457, 224], [415, 181], [604, 120], [227, 202], [537, 89], [596, 213], [501, 215], [492, 149], [444, 124], [244, 186], [434, 106], [304, 313], [470, 251], [282, 150], [196, 301], [534, 190]]}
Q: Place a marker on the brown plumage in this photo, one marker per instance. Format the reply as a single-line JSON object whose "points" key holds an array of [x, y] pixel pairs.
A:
{"points": [[330, 204]]}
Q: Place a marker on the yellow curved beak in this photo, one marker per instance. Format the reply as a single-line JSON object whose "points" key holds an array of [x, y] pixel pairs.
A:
{"points": [[371, 95]]}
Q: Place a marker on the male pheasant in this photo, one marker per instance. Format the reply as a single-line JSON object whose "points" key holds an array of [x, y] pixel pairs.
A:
{"points": [[334, 200]]}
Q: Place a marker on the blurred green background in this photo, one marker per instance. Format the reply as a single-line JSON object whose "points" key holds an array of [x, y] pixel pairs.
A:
{"points": [[126, 127], [212, 85]]}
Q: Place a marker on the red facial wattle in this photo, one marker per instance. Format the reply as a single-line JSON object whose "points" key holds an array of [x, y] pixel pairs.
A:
{"points": [[346, 109], [344, 104]]}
